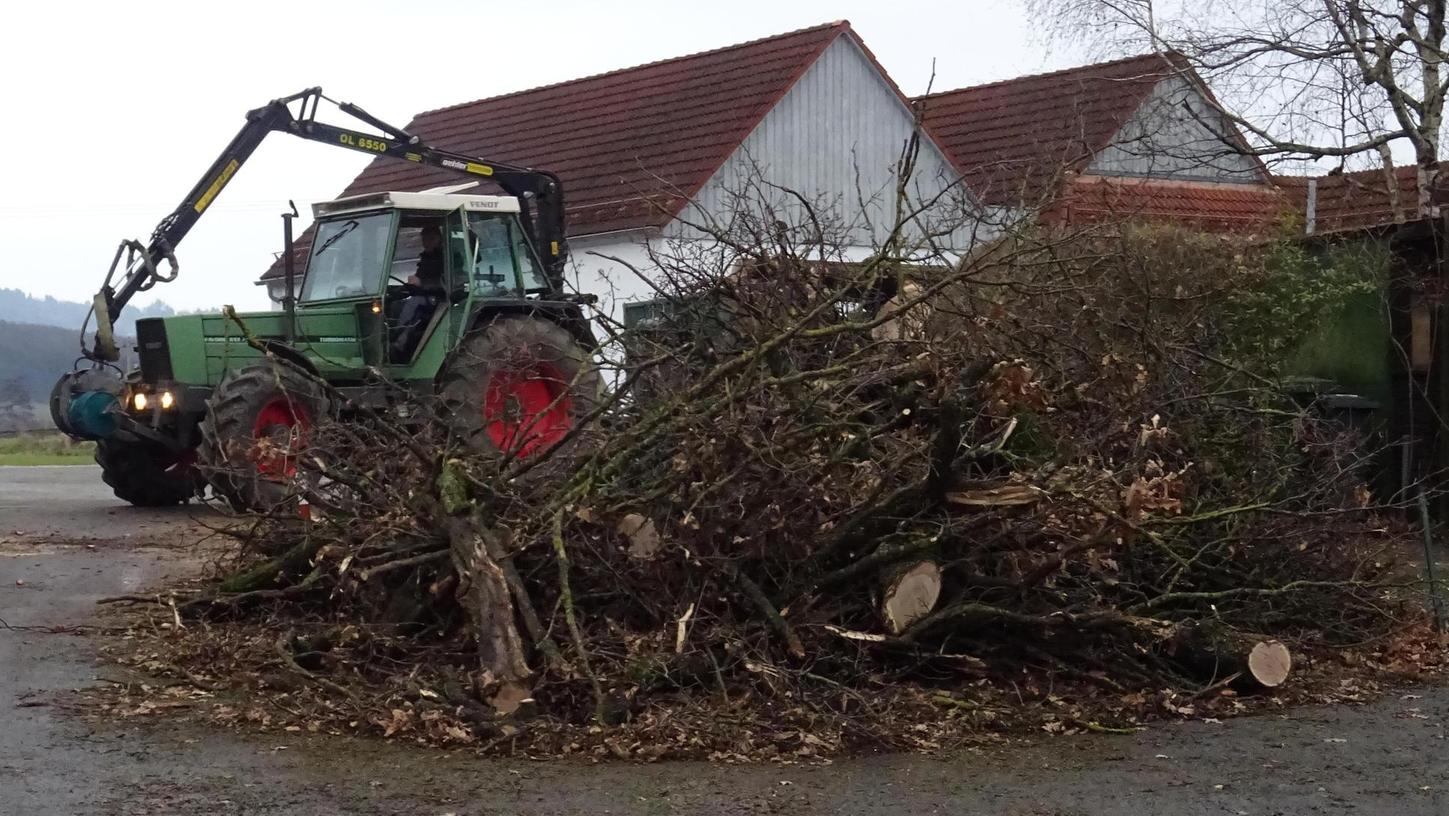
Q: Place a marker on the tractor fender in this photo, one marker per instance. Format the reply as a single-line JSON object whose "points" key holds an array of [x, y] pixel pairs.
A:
{"points": [[567, 315], [283, 351]]}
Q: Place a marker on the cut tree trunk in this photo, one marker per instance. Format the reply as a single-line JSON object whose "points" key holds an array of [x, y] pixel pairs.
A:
{"points": [[910, 594], [1219, 654], [483, 591]]}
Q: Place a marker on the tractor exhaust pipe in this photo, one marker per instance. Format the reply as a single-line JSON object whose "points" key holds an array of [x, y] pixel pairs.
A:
{"points": [[289, 274]]}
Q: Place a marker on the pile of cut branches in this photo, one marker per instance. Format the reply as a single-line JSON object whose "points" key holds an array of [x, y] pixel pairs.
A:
{"points": [[814, 480]]}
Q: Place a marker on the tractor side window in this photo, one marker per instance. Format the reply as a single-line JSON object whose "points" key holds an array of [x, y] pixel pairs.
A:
{"points": [[500, 261], [528, 269], [348, 257], [491, 259]]}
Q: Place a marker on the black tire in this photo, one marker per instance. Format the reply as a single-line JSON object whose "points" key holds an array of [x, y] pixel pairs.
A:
{"points": [[244, 454], [520, 386], [146, 475]]}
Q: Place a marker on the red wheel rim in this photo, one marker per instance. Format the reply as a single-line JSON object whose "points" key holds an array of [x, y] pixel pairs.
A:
{"points": [[280, 430], [527, 410]]}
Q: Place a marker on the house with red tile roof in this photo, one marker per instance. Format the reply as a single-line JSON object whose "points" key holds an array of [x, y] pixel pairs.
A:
{"points": [[652, 153], [649, 153], [1135, 138]]}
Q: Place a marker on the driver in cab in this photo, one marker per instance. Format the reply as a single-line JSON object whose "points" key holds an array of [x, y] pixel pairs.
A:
{"points": [[429, 274], [428, 289]]}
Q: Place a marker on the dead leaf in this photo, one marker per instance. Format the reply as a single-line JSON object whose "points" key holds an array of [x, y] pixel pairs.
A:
{"points": [[643, 538], [510, 697], [402, 720]]}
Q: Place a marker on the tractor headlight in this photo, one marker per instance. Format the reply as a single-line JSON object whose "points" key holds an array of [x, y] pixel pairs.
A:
{"points": [[167, 400], [138, 400]]}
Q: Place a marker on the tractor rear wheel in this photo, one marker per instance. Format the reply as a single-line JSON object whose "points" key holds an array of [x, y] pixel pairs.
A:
{"points": [[519, 386], [147, 475], [257, 422]]}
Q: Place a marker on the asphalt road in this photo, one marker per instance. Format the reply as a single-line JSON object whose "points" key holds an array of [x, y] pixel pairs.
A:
{"points": [[64, 543], [70, 502]]}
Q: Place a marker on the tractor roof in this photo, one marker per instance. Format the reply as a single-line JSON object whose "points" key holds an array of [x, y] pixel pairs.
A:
{"points": [[438, 202]]}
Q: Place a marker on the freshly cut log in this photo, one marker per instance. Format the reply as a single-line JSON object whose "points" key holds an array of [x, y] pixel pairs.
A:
{"points": [[910, 594], [1218, 653], [1004, 496], [1269, 663]]}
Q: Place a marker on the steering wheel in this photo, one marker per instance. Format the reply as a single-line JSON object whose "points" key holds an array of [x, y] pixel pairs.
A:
{"points": [[404, 288]]}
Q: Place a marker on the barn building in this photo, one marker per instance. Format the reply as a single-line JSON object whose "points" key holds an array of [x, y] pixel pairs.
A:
{"points": [[1131, 138]]}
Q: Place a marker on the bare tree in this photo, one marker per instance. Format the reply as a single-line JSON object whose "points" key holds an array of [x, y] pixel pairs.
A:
{"points": [[1348, 81]]}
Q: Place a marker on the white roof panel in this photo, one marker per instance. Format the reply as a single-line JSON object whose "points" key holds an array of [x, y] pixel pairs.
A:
{"points": [[438, 202]]}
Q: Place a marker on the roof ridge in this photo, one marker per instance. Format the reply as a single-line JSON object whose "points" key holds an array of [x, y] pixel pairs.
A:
{"points": [[842, 25], [1046, 74], [910, 103], [842, 28], [1088, 179], [1347, 176]]}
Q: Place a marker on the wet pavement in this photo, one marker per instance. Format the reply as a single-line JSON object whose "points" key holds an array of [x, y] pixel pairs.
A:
{"points": [[64, 543]]}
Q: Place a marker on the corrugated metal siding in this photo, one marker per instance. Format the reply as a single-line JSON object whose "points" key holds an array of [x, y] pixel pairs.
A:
{"points": [[1164, 141], [836, 137]]}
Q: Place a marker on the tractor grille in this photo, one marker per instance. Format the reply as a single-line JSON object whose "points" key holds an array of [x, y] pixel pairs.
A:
{"points": [[155, 354]]}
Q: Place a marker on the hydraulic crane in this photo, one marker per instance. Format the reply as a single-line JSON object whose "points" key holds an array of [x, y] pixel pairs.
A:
{"points": [[491, 345], [539, 193]]}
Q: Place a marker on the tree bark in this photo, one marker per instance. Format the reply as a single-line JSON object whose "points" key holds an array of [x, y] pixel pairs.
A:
{"points": [[483, 592]]}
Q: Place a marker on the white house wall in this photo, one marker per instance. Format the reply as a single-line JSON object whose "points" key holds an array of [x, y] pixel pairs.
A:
{"points": [[836, 137], [1165, 141], [603, 265]]}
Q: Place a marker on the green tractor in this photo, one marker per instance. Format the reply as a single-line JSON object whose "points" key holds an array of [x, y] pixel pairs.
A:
{"points": [[407, 299]]}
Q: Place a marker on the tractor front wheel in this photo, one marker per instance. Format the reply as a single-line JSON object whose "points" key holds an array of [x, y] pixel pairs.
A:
{"points": [[145, 474], [257, 423]]}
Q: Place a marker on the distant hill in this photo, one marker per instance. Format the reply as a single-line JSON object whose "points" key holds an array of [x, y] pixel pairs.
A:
{"points": [[17, 307], [27, 377]]}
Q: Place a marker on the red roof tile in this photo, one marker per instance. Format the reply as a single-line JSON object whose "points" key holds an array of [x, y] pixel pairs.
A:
{"points": [[1361, 200], [1216, 207], [1017, 138], [631, 146]]}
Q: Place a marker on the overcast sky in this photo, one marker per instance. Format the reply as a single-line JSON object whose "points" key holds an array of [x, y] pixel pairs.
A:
{"points": [[112, 110]]}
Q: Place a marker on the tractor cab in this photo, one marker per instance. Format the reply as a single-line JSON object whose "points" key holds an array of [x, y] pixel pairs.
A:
{"points": [[413, 266]]}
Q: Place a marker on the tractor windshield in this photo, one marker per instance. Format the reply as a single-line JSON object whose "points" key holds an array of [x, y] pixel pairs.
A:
{"points": [[348, 257]]}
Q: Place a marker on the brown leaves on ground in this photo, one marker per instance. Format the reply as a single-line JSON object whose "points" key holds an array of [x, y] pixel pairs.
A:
{"points": [[786, 718]]}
